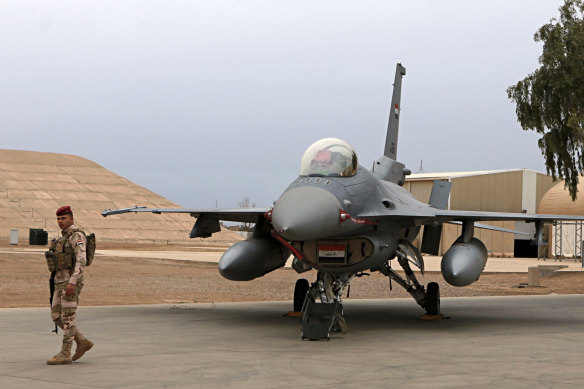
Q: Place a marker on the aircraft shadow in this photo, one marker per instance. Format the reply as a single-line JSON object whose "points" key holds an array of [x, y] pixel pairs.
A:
{"points": [[405, 316]]}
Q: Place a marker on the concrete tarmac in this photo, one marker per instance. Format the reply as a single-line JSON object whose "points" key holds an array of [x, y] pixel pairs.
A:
{"points": [[523, 342]]}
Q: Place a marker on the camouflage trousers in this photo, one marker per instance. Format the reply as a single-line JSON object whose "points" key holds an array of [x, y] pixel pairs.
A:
{"points": [[64, 308]]}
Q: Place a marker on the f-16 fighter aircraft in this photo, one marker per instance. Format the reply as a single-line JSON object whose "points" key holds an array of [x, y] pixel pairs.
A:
{"points": [[342, 220]]}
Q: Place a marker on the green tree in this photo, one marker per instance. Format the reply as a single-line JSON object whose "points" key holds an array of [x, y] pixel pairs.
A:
{"points": [[550, 100]]}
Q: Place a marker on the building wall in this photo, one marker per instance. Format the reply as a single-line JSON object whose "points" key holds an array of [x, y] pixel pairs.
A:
{"points": [[420, 189], [499, 192]]}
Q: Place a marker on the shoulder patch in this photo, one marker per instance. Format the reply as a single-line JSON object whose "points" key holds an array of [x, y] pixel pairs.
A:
{"points": [[77, 237]]}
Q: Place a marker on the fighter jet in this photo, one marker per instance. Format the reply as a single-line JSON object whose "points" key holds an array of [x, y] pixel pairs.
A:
{"points": [[344, 220]]}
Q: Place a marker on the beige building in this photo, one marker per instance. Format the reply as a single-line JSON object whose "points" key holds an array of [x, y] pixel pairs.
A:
{"points": [[515, 190]]}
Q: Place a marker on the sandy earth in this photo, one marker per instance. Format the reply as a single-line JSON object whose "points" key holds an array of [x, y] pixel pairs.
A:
{"points": [[115, 280]]}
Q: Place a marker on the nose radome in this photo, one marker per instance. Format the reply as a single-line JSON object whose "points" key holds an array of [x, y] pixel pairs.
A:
{"points": [[305, 213]]}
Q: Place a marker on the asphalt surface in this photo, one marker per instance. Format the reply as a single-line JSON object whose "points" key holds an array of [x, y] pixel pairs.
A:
{"points": [[524, 342]]}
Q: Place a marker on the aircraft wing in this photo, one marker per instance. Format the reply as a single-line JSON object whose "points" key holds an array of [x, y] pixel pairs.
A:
{"points": [[432, 215], [445, 216], [433, 218], [242, 215]]}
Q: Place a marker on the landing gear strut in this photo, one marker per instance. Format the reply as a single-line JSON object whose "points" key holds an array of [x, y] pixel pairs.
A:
{"points": [[428, 299]]}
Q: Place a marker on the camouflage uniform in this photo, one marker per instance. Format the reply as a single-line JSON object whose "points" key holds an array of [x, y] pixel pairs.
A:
{"points": [[63, 309]]}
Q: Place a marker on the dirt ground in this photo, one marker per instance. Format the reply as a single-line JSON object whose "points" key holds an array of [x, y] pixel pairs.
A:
{"points": [[117, 281]]}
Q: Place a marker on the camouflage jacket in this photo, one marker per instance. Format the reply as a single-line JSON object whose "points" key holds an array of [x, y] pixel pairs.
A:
{"points": [[78, 243]]}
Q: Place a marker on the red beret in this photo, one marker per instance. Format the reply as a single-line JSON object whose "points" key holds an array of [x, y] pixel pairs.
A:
{"points": [[64, 210]]}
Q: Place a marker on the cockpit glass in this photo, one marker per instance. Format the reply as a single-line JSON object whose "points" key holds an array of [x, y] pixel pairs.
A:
{"points": [[329, 157]]}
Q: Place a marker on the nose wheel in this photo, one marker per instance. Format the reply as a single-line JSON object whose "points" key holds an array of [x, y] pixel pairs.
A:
{"points": [[300, 290]]}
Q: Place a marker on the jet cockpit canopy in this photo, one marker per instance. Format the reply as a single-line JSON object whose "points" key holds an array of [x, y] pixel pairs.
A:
{"points": [[329, 157]]}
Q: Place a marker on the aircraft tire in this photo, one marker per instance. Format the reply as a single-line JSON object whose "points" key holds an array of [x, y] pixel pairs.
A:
{"points": [[432, 303], [300, 290]]}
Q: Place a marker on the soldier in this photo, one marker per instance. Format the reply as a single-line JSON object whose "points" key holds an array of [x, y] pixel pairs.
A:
{"points": [[66, 259]]}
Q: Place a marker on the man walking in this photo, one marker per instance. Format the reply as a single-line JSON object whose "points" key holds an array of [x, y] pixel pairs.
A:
{"points": [[66, 258]]}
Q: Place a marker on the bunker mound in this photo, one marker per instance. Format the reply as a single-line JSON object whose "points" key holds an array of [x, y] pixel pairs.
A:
{"points": [[34, 184]]}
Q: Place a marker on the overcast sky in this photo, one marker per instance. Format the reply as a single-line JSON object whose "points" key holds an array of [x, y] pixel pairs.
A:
{"points": [[212, 101]]}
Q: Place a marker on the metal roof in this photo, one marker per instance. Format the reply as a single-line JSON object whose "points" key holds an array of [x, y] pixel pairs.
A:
{"points": [[450, 175]]}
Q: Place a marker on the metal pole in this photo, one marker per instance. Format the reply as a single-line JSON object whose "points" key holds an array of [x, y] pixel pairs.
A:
{"points": [[578, 240], [558, 240]]}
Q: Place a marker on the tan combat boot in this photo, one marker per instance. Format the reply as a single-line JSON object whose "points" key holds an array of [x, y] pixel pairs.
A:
{"points": [[83, 345], [63, 358]]}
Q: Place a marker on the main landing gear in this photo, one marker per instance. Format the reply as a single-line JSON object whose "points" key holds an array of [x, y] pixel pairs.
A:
{"points": [[300, 290], [432, 301], [429, 298]]}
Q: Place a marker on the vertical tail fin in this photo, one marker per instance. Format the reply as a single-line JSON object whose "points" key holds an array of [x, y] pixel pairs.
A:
{"points": [[386, 167], [394, 111]]}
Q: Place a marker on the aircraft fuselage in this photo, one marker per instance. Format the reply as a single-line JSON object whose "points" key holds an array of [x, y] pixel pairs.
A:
{"points": [[331, 220]]}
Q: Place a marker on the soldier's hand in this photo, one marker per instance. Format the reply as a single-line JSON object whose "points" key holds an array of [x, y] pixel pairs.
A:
{"points": [[70, 290]]}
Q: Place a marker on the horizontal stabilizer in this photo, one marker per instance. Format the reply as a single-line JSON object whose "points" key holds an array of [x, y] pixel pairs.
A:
{"points": [[440, 194], [431, 239], [433, 232], [205, 226]]}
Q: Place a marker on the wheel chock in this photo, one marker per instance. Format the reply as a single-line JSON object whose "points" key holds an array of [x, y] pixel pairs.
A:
{"points": [[293, 314], [433, 317]]}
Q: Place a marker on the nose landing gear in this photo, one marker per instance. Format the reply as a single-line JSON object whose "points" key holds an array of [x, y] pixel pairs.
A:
{"points": [[319, 319]]}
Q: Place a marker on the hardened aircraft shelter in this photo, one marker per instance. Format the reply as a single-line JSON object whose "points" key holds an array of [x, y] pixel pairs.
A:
{"points": [[34, 184]]}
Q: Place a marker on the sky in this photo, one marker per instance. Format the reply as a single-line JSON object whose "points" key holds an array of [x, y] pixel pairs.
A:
{"points": [[209, 102]]}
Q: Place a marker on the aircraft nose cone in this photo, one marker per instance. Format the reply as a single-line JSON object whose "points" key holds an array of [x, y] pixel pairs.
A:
{"points": [[305, 213]]}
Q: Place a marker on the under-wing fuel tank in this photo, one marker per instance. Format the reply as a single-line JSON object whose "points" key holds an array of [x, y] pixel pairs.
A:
{"points": [[463, 263], [252, 258]]}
